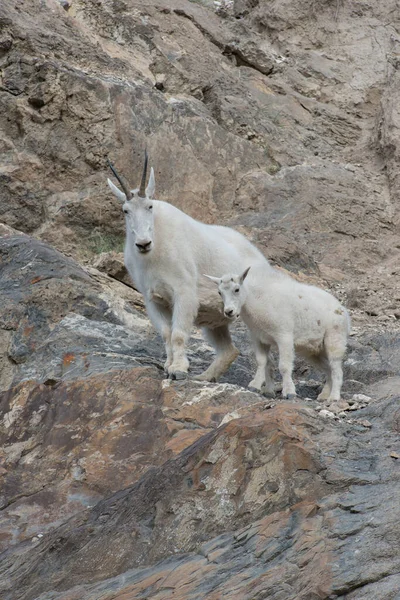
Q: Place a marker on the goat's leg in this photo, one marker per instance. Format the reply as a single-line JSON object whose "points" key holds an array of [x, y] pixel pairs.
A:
{"points": [[262, 359], [286, 359], [263, 378], [337, 379], [269, 387], [320, 361], [161, 318], [184, 312], [326, 390], [221, 340], [335, 348]]}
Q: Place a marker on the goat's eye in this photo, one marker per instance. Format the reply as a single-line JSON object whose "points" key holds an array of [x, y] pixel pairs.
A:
{"points": [[220, 294], [236, 290], [125, 211], [151, 207]]}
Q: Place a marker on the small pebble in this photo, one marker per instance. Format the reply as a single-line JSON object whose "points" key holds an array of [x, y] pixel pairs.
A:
{"points": [[327, 413], [363, 422], [269, 405], [361, 398]]}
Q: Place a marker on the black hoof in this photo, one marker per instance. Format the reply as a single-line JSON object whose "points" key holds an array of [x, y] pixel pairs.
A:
{"points": [[290, 396], [269, 394], [178, 375], [253, 389]]}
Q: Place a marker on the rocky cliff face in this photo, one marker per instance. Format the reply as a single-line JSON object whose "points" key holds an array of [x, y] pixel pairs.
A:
{"points": [[279, 118]]}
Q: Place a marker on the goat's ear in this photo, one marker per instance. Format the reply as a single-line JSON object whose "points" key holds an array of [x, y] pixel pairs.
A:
{"points": [[116, 191], [244, 275], [151, 186], [216, 280]]}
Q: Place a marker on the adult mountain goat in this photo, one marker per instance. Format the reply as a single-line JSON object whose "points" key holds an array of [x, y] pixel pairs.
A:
{"points": [[282, 312], [166, 252]]}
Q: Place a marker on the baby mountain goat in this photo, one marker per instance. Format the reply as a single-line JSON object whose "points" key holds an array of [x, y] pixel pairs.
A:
{"points": [[166, 252], [292, 316]]}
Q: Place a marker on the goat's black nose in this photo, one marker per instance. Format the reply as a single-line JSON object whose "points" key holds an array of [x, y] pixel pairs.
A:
{"points": [[229, 312], [144, 246]]}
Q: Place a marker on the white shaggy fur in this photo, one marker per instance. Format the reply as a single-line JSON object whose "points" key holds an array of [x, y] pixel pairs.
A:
{"points": [[291, 316], [166, 252]]}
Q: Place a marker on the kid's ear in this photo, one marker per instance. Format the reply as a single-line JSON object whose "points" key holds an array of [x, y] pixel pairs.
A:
{"points": [[244, 275], [216, 280]]}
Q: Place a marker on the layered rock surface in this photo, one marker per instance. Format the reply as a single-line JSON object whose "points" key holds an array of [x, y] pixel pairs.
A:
{"points": [[279, 118], [280, 505]]}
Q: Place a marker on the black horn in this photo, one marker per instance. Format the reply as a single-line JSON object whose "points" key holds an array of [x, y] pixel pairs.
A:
{"points": [[142, 189], [122, 183]]}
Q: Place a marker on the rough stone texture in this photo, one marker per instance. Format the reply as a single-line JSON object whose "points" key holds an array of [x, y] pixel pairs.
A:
{"points": [[280, 118], [276, 505], [67, 445], [113, 264]]}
